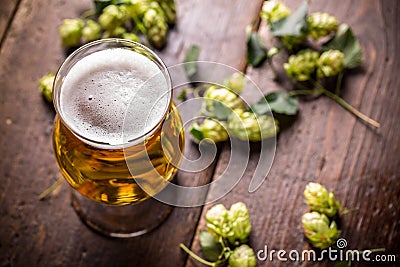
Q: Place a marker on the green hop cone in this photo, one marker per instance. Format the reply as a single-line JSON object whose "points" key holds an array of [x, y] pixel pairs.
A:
{"points": [[235, 83], [218, 222], [246, 125], [210, 129], [71, 32], [46, 86], [131, 36], [242, 256], [116, 33], [321, 25], [302, 66], [169, 8], [319, 231], [272, 11], [91, 31], [215, 95], [292, 42], [330, 63], [239, 219], [319, 199], [112, 17], [156, 26], [157, 35], [137, 8]]}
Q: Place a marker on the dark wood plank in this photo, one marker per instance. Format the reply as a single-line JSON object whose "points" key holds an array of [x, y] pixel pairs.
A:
{"points": [[49, 233], [328, 145], [7, 11]]}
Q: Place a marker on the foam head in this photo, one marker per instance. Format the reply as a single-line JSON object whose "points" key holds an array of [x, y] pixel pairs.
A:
{"points": [[111, 87]]}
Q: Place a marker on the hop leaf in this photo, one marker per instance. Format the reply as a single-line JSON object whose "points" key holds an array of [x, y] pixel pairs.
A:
{"points": [[211, 129], [319, 231], [242, 256], [46, 86], [345, 41], [293, 25], [301, 66], [330, 63], [321, 24], [71, 32], [273, 11], [319, 199], [246, 125], [210, 248], [256, 50]]}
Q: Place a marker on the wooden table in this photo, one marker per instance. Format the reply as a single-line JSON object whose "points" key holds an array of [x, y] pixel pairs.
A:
{"points": [[325, 144]]}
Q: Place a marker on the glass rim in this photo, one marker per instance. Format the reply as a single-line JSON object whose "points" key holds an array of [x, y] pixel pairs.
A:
{"points": [[125, 44]]}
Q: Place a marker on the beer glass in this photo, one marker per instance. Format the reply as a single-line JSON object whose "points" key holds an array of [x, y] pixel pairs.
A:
{"points": [[116, 123]]}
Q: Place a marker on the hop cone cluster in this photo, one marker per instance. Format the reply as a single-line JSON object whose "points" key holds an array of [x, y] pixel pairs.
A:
{"points": [[273, 11], [154, 17], [211, 129], [46, 86], [150, 17], [169, 8], [320, 200], [246, 125], [321, 24], [156, 25], [242, 256], [113, 17], [330, 63], [302, 66], [319, 231], [70, 32], [228, 98], [91, 31], [233, 225], [235, 83], [291, 42], [319, 225]]}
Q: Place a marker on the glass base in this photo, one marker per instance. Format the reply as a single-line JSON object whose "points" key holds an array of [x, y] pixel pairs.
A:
{"points": [[120, 221]]}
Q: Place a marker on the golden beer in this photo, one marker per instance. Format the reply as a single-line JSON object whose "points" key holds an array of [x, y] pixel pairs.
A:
{"points": [[92, 99], [103, 175]]}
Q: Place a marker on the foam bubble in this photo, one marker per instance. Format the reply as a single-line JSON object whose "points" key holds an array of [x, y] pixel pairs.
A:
{"points": [[103, 88]]}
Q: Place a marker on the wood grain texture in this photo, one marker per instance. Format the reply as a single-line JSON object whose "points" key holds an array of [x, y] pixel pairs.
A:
{"points": [[7, 12], [48, 233], [328, 145], [324, 144]]}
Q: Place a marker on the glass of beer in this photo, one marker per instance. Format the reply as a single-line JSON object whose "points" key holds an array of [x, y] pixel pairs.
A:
{"points": [[116, 124]]}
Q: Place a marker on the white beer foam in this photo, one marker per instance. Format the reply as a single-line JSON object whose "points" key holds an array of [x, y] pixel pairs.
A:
{"points": [[104, 87]]}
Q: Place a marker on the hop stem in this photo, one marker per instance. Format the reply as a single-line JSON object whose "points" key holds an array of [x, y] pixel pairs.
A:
{"points": [[321, 90], [348, 107], [88, 14], [51, 188], [196, 257]]}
